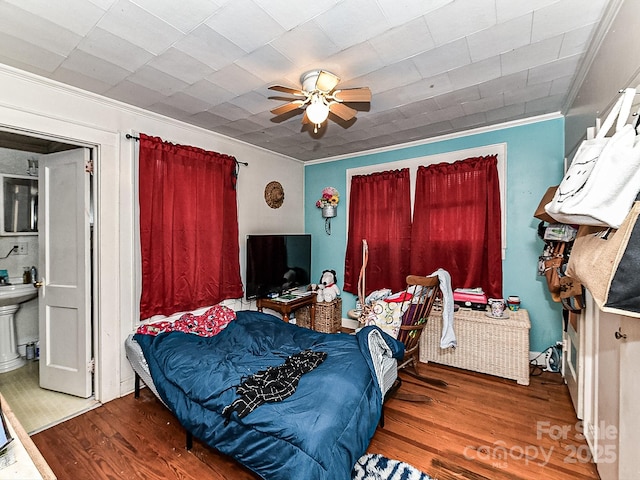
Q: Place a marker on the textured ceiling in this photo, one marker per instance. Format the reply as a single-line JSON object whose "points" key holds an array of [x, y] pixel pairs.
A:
{"points": [[433, 66]]}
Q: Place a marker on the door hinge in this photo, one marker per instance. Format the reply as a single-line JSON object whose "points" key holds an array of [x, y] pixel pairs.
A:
{"points": [[91, 366], [88, 167]]}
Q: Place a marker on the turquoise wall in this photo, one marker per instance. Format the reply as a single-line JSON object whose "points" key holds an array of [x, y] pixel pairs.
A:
{"points": [[534, 162]]}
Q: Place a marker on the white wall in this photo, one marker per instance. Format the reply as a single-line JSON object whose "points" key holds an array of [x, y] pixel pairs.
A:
{"points": [[609, 386], [15, 162], [615, 66], [32, 105]]}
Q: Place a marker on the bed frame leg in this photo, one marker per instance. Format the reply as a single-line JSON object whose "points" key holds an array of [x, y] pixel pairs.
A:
{"points": [[136, 391], [390, 393], [136, 394]]}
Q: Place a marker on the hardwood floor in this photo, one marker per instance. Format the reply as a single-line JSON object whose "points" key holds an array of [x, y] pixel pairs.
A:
{"points": [[479, 427]]}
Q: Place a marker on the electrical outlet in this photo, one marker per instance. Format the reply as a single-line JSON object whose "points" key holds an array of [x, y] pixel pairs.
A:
{"points": [[21, 248]]}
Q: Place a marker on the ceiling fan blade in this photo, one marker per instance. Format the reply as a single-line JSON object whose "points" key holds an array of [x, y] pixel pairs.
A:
{"points": [[287, 107], [305, 119], [361, 94], [289, 90], [326, 81], [342, 111]]}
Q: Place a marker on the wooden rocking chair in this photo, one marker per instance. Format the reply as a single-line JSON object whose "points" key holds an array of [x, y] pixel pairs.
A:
{"points": [[418, 299]]}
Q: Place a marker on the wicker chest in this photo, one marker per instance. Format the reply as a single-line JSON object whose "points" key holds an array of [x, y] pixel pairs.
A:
{"points": [[328, 317], [487, 345]]}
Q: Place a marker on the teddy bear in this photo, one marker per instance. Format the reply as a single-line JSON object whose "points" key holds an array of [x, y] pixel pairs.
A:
{"points": [[327, 289]]}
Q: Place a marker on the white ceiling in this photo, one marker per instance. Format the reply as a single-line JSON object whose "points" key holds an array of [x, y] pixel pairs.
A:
{"points": [[434, 66]]}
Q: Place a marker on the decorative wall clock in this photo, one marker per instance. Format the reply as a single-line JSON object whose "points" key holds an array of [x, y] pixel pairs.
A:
{"points": [[274, 194]]}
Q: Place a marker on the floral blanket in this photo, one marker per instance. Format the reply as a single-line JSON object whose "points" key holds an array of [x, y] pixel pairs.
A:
{"points": [[210, 323]]}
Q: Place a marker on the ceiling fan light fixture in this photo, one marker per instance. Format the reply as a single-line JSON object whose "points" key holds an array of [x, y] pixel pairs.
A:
{"points": [[318, 110], [319, 97]]}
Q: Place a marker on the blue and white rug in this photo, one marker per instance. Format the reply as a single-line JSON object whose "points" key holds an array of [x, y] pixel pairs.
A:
{"points": [[373, 466]]}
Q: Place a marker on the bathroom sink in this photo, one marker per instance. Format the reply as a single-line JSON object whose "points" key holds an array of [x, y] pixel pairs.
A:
{"points": [[17, 293]]}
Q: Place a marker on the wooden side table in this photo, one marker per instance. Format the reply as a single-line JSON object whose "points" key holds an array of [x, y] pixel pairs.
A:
{"points": [[285, 307]]}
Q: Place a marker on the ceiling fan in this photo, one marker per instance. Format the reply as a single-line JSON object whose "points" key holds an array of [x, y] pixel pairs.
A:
{"points": [[319, 96]]}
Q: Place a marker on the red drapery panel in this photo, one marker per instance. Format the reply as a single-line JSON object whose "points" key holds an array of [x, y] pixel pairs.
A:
{"points": [[457, 223], [380, 212], [188, 228]]}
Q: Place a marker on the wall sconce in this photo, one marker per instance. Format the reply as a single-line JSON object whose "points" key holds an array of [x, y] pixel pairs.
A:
{"points": [[328, 203], [328, 213]]}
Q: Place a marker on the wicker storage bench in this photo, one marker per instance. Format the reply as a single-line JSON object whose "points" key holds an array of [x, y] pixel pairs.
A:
{"points": [[487, 345], [328, 317]]}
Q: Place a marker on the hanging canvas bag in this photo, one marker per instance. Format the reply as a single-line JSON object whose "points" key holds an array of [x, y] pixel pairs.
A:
{"points": [[571, 295], [607, 263], [604, 177], [552, 265]]}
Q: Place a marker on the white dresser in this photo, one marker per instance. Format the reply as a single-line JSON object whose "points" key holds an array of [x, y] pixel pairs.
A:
{"points": [[608, 389]]}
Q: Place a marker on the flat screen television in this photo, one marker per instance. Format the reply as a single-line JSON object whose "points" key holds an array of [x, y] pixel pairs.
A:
{"points": [[277, 263]]}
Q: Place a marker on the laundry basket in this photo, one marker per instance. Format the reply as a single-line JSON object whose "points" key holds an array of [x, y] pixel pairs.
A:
{"points": [[328, 318]]}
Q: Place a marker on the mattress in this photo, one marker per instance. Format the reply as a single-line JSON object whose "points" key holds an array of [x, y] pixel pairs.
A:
{"points": [[139, 364], [319, 432], [386, 366]]}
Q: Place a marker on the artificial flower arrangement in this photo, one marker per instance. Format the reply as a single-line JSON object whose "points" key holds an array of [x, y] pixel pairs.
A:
{"points": [[330, 198]]}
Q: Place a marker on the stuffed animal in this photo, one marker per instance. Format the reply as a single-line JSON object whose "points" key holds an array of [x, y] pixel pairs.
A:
{"points": [[327, 288]]}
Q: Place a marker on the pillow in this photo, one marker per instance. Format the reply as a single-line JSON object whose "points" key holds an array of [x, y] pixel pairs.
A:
{"points": [[387, 316], [399, 297]]}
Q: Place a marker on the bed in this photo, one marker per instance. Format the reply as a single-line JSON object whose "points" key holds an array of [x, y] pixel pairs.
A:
{"points": [[318, 432]]}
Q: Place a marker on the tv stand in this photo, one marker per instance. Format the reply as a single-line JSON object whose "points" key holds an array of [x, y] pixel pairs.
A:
{"points": [[285, 307]]}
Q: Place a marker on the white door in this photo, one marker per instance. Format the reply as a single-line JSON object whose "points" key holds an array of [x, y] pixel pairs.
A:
{"points": [[65, 253], [572, 360]]}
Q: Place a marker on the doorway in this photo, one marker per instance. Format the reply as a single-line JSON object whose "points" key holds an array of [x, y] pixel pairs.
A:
{"points": [[38, 408]]}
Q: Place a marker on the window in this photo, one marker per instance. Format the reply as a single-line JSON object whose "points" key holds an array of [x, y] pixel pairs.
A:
{"points": [[188, 228], [353, 261], [456, 223], [379, 212]]}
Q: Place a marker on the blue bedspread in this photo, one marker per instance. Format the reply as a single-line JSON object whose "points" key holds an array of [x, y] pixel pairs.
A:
{"points": [[317, 433]]}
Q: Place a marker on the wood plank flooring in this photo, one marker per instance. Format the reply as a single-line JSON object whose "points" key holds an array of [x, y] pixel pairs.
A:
{"points": [[479, 427]]}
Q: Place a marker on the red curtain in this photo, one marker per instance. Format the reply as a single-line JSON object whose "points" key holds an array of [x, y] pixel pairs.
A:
{"points": [[380, 212], [457, 223], [188, 228]]}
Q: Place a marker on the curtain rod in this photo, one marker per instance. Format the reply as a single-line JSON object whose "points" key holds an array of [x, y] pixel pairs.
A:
{"points": [[128, 136]]}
